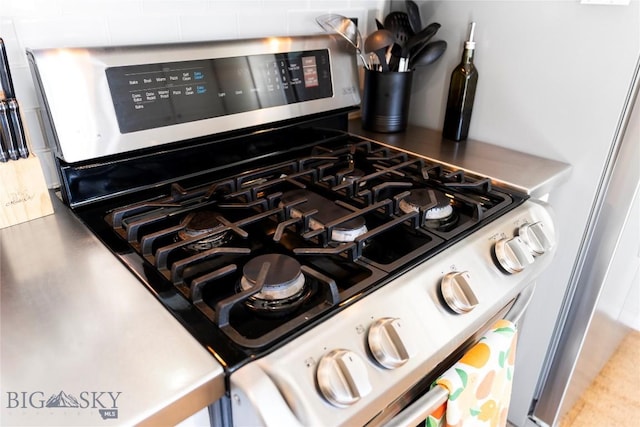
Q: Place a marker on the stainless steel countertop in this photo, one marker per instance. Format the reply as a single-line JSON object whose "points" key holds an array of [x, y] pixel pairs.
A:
{"points": [[522, 172], [74, 319]]}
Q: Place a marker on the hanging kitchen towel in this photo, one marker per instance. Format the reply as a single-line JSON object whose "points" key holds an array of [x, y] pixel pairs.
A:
{"points": [[479, 384]]}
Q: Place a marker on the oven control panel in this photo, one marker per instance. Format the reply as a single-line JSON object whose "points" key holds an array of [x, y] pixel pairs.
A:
{"points": [[168, 93], [369, 355], [103, 101]]}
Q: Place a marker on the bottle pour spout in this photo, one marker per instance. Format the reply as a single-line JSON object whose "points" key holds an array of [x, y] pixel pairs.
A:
{"points": [[470, 44]]}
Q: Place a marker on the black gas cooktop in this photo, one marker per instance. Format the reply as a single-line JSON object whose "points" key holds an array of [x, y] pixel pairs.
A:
{"points": [[252, 251]]}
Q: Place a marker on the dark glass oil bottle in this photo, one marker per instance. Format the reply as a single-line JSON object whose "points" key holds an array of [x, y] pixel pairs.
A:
{"points": [[462, 91]]}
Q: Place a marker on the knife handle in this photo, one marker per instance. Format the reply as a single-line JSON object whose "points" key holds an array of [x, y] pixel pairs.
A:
{"points": [[4, 154], [6, 83], [17, 128], [5, 128]]}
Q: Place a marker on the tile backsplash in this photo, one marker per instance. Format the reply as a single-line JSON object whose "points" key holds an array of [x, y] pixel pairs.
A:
{"points": [[59, 23]]}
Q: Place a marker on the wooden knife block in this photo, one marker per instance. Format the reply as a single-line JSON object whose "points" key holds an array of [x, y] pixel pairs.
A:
{"points": [[23, 192]]}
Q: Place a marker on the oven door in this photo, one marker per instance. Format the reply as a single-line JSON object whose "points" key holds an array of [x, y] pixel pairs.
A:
{"points": [[256, 399], [415, 409]]}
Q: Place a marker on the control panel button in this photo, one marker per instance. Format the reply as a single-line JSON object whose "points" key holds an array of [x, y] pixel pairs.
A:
{"points": [[457, 292], [536, 237], [389, 342], [513, 254], [342, 377]]}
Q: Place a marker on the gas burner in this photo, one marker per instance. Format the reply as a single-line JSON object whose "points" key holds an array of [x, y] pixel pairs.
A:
{"points": [[440, 217], [352, 175], [200, 223], [328, 212], [283, 289]]}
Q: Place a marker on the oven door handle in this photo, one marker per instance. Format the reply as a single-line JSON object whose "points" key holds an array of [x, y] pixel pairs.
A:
{"points": [[419, 410]]}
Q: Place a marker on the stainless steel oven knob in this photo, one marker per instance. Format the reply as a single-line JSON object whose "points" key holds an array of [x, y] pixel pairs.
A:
{"points": [[513, 254], [536, 237], [389, 342], [342, 378], [457, 292]]}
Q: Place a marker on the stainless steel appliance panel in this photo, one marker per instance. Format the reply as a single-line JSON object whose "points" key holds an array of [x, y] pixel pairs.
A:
{"points": [[81, 113], [588, 321]]}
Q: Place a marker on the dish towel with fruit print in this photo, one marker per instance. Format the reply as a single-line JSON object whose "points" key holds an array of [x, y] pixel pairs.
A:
{"points": [[479, 384]]}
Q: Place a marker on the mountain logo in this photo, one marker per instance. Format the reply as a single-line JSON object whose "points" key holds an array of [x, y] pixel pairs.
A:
{"points": [[62, 400], [106, 402]]}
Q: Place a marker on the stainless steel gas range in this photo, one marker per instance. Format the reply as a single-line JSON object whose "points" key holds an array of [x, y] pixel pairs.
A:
{"points": [[332, 276]]}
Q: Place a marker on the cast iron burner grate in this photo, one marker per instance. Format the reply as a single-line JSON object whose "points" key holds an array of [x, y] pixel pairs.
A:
{"points": [[349, 216]]}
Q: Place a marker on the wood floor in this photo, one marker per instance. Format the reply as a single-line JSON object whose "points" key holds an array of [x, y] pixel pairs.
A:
{"points": [[613, 399]]}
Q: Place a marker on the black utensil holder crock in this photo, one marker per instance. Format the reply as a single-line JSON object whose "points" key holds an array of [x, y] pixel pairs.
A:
{"points": [[385, 101]]}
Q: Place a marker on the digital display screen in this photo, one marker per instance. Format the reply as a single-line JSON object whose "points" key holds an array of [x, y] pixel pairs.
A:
{"points": [[155, 95]]}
